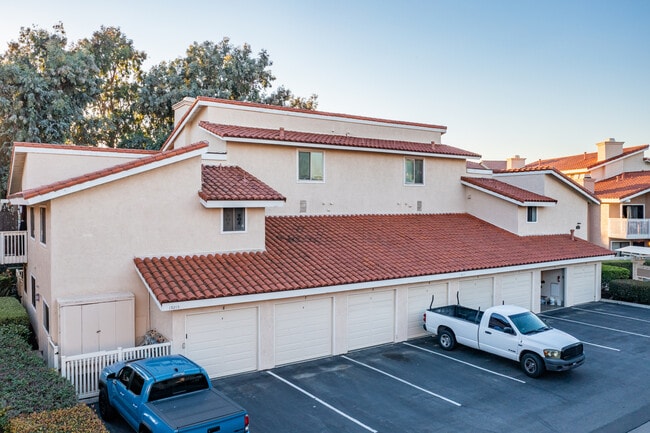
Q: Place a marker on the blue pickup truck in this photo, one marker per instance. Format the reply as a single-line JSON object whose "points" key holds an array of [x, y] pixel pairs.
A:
{"points": [[167, 394]]}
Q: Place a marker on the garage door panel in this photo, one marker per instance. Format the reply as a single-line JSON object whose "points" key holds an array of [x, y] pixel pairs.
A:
{"points": [[371, 319], [582, 284], [517, 289], [476, 293], [303, 330], [419, 299], [223, 342]]}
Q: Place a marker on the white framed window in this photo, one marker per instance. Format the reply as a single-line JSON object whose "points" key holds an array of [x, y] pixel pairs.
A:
{"points": [[311, 166], [234, 219], [46, 317], [32, 223], [33, 290], [43, 225], [531, 214], [413, 171], [633, 211]]}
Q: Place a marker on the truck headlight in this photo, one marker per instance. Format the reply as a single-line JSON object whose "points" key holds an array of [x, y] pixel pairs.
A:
{"points": [[552, 353]]}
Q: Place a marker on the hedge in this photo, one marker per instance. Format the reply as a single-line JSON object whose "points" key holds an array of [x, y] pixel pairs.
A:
{"points": [[634, 291], [610, 273], [77, 419], [11, 311], [625, 264]]}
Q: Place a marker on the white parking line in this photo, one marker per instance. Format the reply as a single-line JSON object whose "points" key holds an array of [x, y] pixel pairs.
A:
{"points": [[403, 381], [596, 326], [329, 406], [466, 363], [611, 314], [602, 347]]}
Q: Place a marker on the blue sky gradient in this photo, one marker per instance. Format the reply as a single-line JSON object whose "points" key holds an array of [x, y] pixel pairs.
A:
{"points": [[537, 79]]}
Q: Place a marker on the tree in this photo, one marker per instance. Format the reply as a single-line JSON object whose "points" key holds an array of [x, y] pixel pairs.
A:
{"points": [[218, 70], [44, 89], [110, 118]]}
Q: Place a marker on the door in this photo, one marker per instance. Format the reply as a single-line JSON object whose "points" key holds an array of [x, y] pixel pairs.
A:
{"points": [[499, 337], [303, 330], [476, 293], [582, 284], [419, 299], [371, 319], [517, 289], [223, 342]]}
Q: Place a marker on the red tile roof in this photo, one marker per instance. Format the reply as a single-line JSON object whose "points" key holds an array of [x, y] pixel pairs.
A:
{"points": [[234, 183], [515, 193], [234, 132], [623, 186], [320, 251], [583, 161], [95, 175]]}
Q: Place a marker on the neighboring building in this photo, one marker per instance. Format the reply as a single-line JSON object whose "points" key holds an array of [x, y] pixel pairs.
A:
{"points": [[265, 235]]}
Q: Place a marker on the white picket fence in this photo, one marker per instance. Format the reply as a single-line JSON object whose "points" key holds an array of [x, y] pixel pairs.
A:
{"points": [[83, 370]]}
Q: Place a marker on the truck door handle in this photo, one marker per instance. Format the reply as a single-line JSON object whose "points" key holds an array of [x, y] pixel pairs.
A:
{"points": [[488, 332]]}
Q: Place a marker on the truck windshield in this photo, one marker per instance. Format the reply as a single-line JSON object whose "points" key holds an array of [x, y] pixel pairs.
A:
{"points": [[177, 385], [528, 323]]}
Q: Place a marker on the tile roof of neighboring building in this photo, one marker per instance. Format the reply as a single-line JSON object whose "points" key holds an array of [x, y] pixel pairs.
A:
{"points": [[321, 251], [515, 193], [244, 132], [234, 183], [95, 175], [583, 161], [623, 186]]}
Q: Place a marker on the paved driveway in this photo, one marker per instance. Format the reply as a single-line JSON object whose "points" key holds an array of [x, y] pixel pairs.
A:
{"points": [[417, 387]]}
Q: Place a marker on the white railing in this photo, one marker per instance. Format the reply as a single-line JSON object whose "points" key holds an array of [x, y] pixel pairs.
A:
{"points": [[627, 228], [13, 248], [83, 370]]}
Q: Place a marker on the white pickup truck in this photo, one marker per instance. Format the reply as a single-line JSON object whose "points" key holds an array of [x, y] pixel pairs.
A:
{"points": [[509, 331]]}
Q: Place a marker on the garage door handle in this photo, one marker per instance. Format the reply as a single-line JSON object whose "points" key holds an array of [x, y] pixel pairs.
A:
{"points": [[488, 332]]}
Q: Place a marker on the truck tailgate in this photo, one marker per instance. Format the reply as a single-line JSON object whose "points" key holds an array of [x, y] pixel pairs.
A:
{"points": [[198, 409]]}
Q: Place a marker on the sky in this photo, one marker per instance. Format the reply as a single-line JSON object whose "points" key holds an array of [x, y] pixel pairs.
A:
{"points": [[507, 77]]}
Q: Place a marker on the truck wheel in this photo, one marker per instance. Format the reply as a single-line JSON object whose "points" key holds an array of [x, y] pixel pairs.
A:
{"points": [[106, 411], [532, 365], [447, 339]]}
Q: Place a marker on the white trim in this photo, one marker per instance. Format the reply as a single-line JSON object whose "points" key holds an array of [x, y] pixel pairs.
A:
{"points": [[508, 199], [286, 294], [557, 176], [108, 178], [423, 172], [298, 167], [227, 232], [217, 204], [81, 151], [617, 159], [211, 156]]}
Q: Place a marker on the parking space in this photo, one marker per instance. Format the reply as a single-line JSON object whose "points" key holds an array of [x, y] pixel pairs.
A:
{"points": [[417, 387]]}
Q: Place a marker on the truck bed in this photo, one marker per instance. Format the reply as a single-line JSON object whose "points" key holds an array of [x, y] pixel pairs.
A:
{"points": [[194, 408], [459, 312]]}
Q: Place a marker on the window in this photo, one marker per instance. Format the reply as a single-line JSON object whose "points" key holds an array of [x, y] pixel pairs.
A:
{"points": [[498, 322], [414, 171], [310, 166], [531, 214], [43, 224], [234, 219], [633, 211], [137, 382], [32, 223], [46, 317], [124, 376], [33, 290]]}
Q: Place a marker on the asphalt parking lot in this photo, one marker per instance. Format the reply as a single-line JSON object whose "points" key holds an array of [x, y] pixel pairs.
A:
{"points": [[415, 386]]}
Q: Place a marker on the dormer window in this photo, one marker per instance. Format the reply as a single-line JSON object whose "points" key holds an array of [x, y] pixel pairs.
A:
{"points": [[234, 219], [531, 214]]}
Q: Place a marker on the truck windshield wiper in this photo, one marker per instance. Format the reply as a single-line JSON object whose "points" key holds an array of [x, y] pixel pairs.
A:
{"points": [[535, 331]]}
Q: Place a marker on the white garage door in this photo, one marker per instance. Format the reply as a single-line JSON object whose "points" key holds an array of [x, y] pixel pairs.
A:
{"points": [[223, 342], [476, 293], [371, 319], [419, 301], [303, 330], [517, 289], [582, 284]]}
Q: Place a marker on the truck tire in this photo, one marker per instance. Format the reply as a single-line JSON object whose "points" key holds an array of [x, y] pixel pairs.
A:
{"points": [[447, 339], [106, 411], [532, 365]]}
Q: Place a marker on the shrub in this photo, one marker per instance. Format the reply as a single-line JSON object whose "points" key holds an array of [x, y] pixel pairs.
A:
{"points": [[610, 273], [77, 419], [630, 291], [626, 264]]}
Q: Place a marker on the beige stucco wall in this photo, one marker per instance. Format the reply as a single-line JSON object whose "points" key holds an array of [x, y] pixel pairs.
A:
{"points": [[98, 232], [355, 182], [494, 210]]}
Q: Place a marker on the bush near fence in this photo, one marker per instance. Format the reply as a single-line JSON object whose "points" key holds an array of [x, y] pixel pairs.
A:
{"points": [[28, 386], [625, 264], [610, 273], [634, 291]]}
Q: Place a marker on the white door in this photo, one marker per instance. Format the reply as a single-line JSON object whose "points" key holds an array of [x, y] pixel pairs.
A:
{"points": [[582, 284], [517, 289], [303, 330], [371, 319], [419, 299], [476, 293], [223, 342]]}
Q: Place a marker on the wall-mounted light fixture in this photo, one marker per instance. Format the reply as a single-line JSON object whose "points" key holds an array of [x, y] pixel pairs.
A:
{"points": [[578, 226], [38, 297]]}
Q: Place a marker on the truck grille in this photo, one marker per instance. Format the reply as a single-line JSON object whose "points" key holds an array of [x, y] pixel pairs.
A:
{"points": [[572, 351]]}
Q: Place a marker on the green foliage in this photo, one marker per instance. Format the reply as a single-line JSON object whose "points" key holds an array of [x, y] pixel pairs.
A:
{"points": [[610, 273], [630, 291], [625, 264], [7, 284], [77, 419], [13, 313]]}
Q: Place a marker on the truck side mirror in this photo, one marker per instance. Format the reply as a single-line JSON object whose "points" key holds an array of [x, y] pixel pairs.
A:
{"points": [[110, 376], [509, 330]]}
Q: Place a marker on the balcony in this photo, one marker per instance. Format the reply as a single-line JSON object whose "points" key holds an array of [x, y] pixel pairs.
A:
{"points": [[13, 248], [624, 228]]}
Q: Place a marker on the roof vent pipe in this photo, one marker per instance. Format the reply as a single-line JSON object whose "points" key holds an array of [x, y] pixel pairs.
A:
{"points": [[572, 231]]}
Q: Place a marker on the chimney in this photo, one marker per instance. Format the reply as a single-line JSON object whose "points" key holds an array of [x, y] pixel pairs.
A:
{"points": [[609, 149], [515, 162], [181, 107], [588, 183]]}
